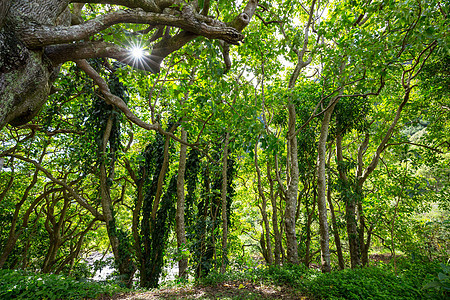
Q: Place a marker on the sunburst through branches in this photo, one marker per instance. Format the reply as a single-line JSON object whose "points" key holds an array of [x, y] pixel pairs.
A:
{"points": [[140, 58]]}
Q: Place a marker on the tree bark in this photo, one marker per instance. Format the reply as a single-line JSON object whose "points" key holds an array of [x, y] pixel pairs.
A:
{"points": [[122, 258], [322, 190], [224, 204], [180, 228], [337, 239], [276, 231], [292, 191], [268, 244]]}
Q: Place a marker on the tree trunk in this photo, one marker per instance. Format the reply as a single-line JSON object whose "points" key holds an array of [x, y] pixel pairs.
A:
{"points": [[224, 204], [292, 191], [350, 208], [26, 75], [337, 239], [121, 257], [180, 229], [307, 258], [268, 246], [276, 231], [321, 189]]}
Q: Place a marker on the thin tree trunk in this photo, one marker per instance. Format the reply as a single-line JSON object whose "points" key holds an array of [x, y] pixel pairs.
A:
{"points": [[362, 229], [180, 226], [75, 252], [292, 191], [350, 208], [54, 232], [321, 190], [337, 239], [125, 264], [309, 220], [224, 203], [15, 233], [276, 231], [269, 256]]}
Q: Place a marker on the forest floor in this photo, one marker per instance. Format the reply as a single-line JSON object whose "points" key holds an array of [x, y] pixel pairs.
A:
{"points": [[224, 290], [227, 290]]}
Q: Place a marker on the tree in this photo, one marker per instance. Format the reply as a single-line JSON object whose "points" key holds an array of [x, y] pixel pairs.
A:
{"points": [[36, 37]]}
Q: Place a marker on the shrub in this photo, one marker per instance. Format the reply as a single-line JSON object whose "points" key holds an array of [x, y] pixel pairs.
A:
{"points": [[380, 282], [442, 283], [364, 283], [27, 285]]}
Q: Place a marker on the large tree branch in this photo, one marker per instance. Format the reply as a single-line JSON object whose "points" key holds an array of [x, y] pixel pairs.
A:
{"points": [[382, 146], [111, 98], [189, 20], [121, 105], [83, 50], [146, 5], [239, 23], [169, 45], [242, 20]]}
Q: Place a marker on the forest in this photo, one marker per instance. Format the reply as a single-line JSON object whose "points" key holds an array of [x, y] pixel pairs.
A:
{"points": [[212, 149]]}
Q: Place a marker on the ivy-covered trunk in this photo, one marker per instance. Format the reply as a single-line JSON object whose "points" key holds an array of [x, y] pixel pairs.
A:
{"points": [[157, 210], [119, 243]]}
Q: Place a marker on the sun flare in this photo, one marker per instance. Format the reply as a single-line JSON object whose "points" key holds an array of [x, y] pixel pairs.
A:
{"points": [[137, 52]]}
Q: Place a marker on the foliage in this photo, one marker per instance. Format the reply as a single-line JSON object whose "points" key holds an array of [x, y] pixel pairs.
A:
{"points": [[27, 285], [376, 282], [442, 283]]}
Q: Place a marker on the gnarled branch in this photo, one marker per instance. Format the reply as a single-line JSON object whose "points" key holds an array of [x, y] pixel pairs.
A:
{"points": [[44, 35], [84, 50]]}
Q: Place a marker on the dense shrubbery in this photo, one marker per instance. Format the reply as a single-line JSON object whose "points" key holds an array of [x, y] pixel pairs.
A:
{"points": [[376, 282], [27, 285], [410, 280]]}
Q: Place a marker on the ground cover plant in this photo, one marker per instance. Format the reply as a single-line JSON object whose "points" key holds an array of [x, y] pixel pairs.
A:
{"points": [[29, 285], [410, 281]]}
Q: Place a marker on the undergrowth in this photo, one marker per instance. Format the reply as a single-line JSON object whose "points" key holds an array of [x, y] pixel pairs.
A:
{"points": [[409, 281], [27, 285]]}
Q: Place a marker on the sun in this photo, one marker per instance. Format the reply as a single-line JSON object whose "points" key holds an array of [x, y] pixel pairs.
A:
{"points": [[137, 52], [138, 56]]}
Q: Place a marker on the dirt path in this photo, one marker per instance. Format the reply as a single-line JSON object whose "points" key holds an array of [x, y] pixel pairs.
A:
{"points": [[227, 290]]}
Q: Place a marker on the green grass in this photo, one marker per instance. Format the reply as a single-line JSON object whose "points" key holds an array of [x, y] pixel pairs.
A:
{"points": [[27, 285]]}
